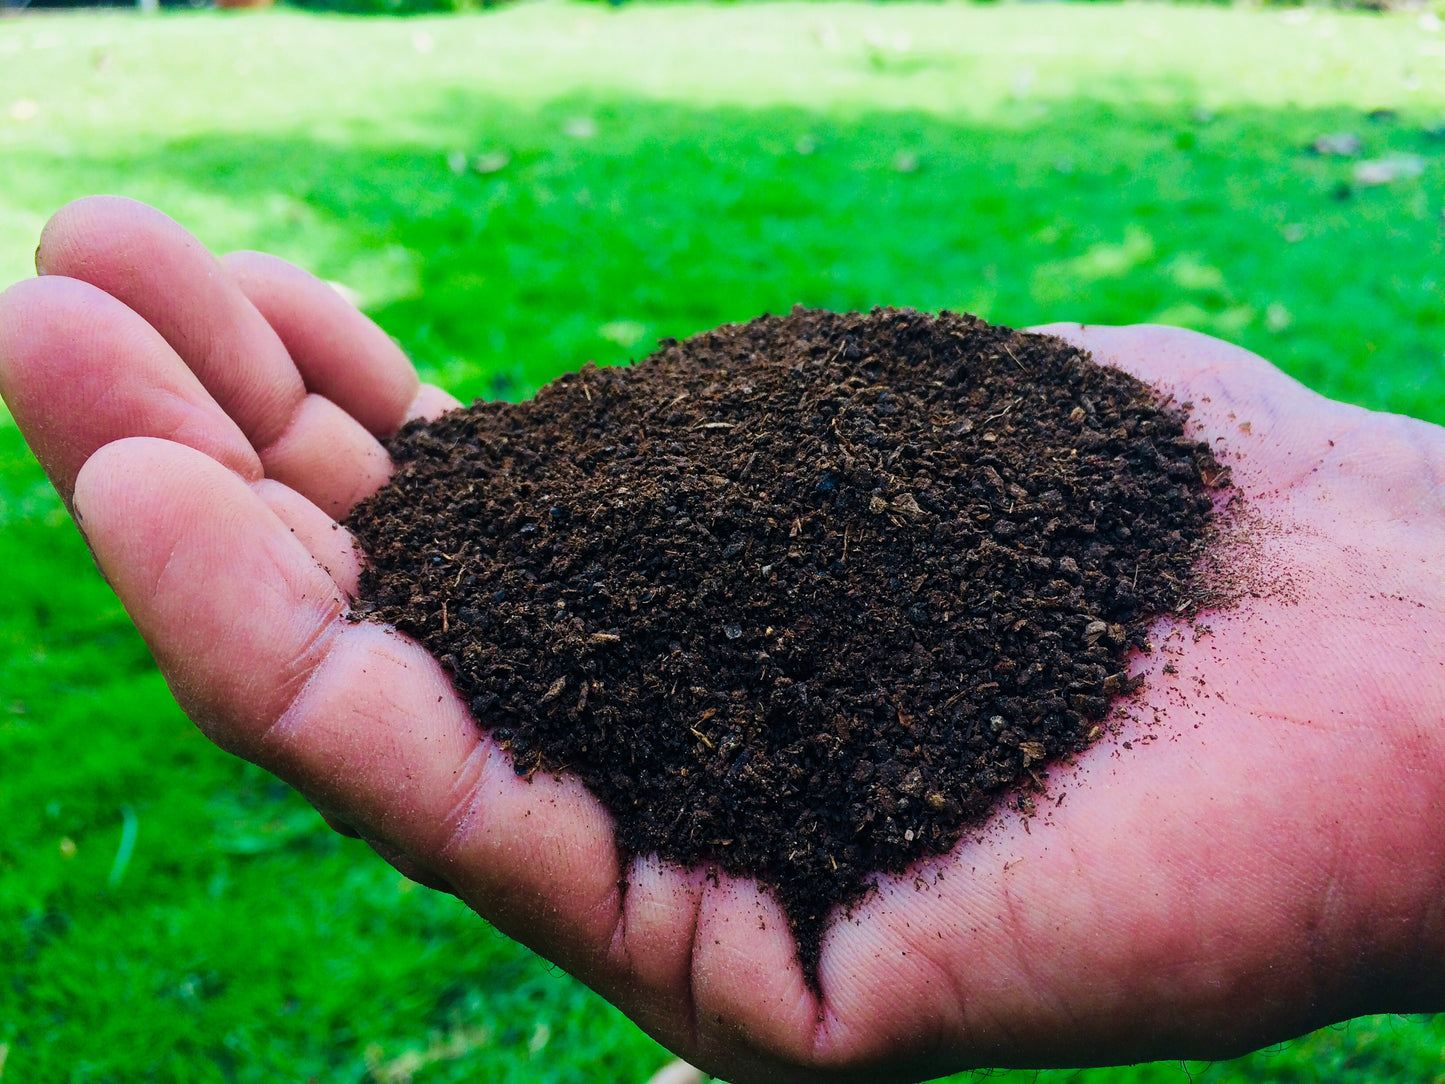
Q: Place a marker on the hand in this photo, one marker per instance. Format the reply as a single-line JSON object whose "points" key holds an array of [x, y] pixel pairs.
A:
{"points": [[1271, 860]]}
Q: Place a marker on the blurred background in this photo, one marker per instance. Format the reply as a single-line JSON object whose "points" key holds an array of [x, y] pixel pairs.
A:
{"points": [[511, 192]]}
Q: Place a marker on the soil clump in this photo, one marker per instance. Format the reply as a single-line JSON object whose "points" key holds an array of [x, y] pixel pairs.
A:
{"points": [[803, 598]]}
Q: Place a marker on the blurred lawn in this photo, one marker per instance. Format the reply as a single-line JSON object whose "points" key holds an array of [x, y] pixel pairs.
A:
{"points": [[651, 171]]}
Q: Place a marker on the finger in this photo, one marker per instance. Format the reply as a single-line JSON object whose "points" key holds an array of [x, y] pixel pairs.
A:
{"points": [[749, 986], [251, 636], [380, 736], [431, 402], [327, 457], [79, 370], [538, 858], [153, 266], [329, 543], [232, 606], [338, 352], [149, 263], [652, 949]]}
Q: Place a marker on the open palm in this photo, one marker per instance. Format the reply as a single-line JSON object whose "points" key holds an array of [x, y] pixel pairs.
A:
{"points": [[1259, 850]]}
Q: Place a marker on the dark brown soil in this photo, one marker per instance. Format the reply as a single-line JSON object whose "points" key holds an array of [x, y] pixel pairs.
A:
{"points": [[802, 598]]}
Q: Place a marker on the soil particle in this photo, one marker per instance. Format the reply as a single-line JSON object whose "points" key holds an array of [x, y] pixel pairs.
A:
{"points": [[804, 598]]}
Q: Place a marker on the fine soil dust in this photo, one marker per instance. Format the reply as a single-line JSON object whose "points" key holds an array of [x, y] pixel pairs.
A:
{"points": [[800, 599]]}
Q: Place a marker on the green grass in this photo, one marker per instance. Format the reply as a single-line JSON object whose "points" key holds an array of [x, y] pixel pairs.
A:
{"points": [[1104, 163]]}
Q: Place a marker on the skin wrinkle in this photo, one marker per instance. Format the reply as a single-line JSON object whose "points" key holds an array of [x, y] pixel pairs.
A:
{"points": [[994, 1023], [809, 1003], [1429, 932], [267, 450], [1266, 715], [690, 1015], [583, 961], [1419, 900], [1337, 441], [1296, 475], [1099, 914], [609, 904], [281, 730], [1404, 451], [314, 424], [1410, 744], [921, 947], [164, 571], [620, 950], [106, 394], [617, 944], [1431, 462], [1183, 962], [302, 308], [1389, 701], [695, 1023], [465, 810], [1433, 456], [270, 448], [189, 425], [1325, 922], [1320, 927], [468, 818], [831, 1024], [328, 627]]}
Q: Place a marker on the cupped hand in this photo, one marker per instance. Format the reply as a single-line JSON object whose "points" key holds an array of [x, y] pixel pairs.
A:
{"points": [[1259, 850]]}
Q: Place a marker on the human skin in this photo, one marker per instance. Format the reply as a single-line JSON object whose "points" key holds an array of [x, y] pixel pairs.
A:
{"points": [[1257, 850]]}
